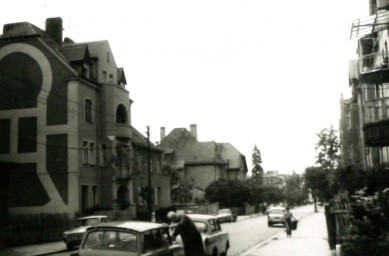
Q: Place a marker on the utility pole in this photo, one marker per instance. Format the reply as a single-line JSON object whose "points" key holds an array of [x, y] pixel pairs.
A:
{"points": [[149, 209]]}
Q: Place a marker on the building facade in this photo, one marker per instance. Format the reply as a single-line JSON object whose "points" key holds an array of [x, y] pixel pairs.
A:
{"points": [[200, 163], [365, 117], [66, 141]]}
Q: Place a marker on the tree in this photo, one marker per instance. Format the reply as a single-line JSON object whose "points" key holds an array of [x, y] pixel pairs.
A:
{"points": [[181, 191], [328, 148], [317, 181], [294, 191], [257, 171], [227, 193]]}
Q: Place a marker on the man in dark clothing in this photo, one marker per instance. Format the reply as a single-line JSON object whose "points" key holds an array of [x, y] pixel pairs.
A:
{"points": [[191, 237]]}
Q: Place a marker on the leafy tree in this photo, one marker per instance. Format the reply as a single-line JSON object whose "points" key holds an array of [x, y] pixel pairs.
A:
{"points": [[227, 193], [257, 171], [294, 191], [317, 181], [328, 148], [181, 192]]}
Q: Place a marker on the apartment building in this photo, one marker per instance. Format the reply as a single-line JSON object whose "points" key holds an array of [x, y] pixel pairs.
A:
{"points": [[365, 116]]}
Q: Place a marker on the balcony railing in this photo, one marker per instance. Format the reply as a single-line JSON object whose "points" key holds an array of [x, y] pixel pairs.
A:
{"points": [[370, 68], [368, 25]]}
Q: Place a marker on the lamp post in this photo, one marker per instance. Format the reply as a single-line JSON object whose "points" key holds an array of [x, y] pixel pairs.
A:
{"points": [[149, 210]]}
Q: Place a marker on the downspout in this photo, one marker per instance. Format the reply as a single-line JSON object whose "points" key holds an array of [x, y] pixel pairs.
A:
{"points": [[98, 144]]}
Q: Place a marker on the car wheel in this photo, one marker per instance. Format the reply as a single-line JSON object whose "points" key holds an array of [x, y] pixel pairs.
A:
{"points": [[214, 252], [69, 246], [225, 251], [269, 224]]}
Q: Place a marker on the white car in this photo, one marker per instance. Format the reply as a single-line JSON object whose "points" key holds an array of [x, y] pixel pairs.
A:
{"points": [[73, 237], [215, 240], [128, 238], [226, 215]]}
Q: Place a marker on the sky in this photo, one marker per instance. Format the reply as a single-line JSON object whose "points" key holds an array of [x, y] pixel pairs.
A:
{"points": [[247, 72]]}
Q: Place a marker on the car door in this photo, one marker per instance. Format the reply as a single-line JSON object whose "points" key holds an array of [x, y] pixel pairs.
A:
{"points": [[216, 236]]}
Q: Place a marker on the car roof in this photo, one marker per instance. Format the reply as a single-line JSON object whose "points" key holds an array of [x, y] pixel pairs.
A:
{"points": [[201, 217], [277, 208], [93, 217], [139, 226]]}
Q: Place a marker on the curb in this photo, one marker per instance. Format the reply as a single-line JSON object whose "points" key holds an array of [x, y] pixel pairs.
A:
{"points": [[48, 253]]}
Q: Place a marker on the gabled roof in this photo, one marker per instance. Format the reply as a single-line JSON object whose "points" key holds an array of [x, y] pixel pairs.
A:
{"points": [[229, 153], [77, 52], [189, 151]]}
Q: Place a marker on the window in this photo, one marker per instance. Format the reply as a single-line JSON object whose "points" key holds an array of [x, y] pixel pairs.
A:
{"points": [[92, 153], [88, 110], [85, 152], [110, 78], [104, 76], [104, 156], [107, 57], [121, 114]]}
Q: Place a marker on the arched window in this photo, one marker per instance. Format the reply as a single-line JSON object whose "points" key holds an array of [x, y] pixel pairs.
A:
{"points": [[121, 114]]}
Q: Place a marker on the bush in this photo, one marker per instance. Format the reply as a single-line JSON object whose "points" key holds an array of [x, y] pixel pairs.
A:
{"points": [[369, 231]]}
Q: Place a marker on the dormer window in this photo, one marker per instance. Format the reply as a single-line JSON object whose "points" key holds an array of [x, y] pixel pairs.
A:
{"points": [[85, 70]]}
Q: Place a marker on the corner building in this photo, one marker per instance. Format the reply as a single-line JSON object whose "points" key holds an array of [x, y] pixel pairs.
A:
{"points": [[64, 112]]}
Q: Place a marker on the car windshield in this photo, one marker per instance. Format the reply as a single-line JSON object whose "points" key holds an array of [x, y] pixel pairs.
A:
{"points": [[224, 211], [88, 222], [111, 240]]}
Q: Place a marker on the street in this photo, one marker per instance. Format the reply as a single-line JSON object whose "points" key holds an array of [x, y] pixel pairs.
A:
{"points": [[247, 233]]}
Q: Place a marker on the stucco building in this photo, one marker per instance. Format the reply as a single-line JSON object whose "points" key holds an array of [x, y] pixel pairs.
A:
{"points": [[66, 139], [201, 163]]}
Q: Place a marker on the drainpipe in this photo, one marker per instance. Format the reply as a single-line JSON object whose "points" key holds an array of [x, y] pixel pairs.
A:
{"points": [[98, 146]]}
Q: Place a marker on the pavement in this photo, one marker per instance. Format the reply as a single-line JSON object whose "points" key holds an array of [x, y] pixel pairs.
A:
{"points": [[310, 238]]}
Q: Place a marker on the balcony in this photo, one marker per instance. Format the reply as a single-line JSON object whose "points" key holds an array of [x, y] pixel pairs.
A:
{"points": [[377, 133], [371, 24], [373, 68]]}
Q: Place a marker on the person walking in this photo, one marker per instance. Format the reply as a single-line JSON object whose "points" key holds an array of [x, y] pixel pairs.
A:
{"points": [[191, 237], [288, 222]]}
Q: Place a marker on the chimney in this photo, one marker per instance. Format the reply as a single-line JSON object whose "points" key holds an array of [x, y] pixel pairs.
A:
{"points": [[193, 130], [372, 7], [162, 133], [54, 29]]}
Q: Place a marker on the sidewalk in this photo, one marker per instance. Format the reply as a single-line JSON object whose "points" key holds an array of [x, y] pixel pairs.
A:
{"points": [[309, 239], [34, 250]]}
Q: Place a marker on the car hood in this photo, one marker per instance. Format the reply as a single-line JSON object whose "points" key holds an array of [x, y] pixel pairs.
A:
{"points": [[77, 230]]}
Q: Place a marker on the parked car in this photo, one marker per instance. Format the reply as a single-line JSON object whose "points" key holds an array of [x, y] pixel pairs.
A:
{"points": [[215, 240], [73, 237], [226, 215], [133, 238], [275, 215]]}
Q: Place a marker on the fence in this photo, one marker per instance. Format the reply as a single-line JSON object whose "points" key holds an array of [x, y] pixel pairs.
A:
{"points": [[337, 218], [36, 228]]}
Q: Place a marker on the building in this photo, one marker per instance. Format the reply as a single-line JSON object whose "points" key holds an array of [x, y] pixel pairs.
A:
{"points": [[66, 140], [365, 117], [275, 179], [201, 163]]}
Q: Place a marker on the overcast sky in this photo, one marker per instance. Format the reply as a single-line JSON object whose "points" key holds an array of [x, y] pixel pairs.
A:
{"points": [[247, 72]]}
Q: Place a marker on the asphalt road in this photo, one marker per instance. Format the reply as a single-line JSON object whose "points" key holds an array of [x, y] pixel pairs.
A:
{"points": [[249, 232]]}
